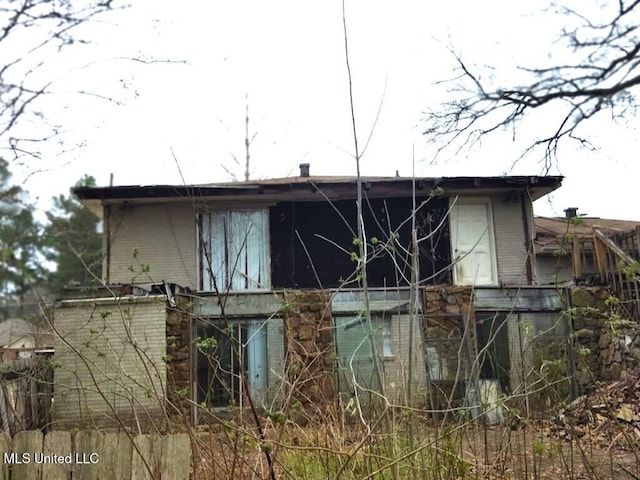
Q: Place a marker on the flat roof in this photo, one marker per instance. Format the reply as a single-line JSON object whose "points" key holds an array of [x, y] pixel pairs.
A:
{"points": [[317, 187]]}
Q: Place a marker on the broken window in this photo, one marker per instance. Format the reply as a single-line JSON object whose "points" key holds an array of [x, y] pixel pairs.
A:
{"points": [[447, 349], [224, 352], [492, 343], [313, 242], [234, 250]]}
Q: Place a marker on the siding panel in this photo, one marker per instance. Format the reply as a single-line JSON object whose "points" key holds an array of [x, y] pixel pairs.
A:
{"points": [[510, 241], [165, 238]]}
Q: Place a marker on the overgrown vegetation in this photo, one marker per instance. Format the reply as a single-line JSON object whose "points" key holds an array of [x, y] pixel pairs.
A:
{"points": [[124, 380]]}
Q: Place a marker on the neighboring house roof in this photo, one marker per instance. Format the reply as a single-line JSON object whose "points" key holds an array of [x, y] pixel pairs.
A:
{"points": [[15, 329], [554, 234], [309, 188]]}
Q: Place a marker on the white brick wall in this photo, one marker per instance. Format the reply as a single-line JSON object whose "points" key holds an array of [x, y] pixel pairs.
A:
{"points": [[275, 359], [164, 236], [109, 356], [397, 368]]}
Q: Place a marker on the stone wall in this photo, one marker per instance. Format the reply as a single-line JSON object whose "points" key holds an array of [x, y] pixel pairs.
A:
{"points": [[309, 348], [447, 299], [607, 345], [178, 357]]}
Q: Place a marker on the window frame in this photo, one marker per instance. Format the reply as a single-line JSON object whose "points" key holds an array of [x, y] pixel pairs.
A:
{"points": [[225, 248], [226, 378]]}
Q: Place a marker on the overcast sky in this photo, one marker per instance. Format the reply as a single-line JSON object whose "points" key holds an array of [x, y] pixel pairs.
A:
{"points": [[288, 58]]}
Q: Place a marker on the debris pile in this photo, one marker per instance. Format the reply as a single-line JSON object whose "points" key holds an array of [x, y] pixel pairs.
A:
{"points": [[608, 417]]}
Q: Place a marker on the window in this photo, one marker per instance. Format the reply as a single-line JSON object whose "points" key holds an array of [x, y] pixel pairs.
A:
{"points": [[235, 250], [355, 356], [387, 338], [223, 351]]}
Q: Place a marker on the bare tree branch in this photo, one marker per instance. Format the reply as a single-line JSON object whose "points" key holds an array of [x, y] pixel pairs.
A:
{"points": [[603, 77], [32, 33]]}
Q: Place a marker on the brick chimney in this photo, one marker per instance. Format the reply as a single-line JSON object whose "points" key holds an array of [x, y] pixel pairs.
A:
{"points": [[571, 212], [304, 169]]}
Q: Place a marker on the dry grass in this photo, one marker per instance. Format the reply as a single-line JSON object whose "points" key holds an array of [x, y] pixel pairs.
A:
{"points": [[321, 450]]}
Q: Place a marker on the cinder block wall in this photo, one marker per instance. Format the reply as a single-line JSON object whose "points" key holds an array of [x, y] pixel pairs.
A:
{"points": [[275, 360], [110, 362], [396, 368]]}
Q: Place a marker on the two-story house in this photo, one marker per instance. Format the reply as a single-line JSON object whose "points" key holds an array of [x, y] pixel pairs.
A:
{"points": [[215, 292]]}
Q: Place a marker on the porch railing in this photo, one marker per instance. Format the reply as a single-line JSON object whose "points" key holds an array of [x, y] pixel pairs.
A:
{"points": [[629, 242], [582, 256], [617, 269]]}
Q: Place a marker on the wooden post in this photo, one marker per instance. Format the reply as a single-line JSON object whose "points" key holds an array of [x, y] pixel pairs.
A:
{"points": [[5, 447], [597, 250], [57, 442], [576, 258]]}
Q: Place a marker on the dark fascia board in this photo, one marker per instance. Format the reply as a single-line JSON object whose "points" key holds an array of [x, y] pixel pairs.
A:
{"points": [[338, 187], [160, 191]]}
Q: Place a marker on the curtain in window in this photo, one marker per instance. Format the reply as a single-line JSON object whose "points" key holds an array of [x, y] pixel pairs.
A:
{"points": [[238, 245]]}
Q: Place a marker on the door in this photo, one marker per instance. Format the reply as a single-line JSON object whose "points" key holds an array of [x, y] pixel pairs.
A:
{"points": [[256, 353], [472, 243]]}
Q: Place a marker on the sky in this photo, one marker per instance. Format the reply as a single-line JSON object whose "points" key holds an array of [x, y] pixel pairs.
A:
{"points": [[179, 115]]}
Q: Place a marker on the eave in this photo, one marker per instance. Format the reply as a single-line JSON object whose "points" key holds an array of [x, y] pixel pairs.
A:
{"points": [[315, 188]]}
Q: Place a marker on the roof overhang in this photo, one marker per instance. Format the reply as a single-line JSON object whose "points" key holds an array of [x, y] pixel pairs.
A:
{"points": [[315, 188]]}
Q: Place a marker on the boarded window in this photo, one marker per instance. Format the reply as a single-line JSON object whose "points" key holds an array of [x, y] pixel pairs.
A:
{"points": [[235, 250]]}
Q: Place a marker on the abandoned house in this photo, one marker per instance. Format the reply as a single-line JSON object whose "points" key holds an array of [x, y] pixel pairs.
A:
{"points": [[205, 282], [565, 246]]}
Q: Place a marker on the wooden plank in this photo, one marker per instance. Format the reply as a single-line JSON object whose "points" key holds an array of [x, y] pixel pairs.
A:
{"points": [[597, 249], [115, 459], [57, 443], [613, 247], [576, 256], [145, 464], [176, 457], [4, 411], [29, 443], [5, 447], [87, 444]]}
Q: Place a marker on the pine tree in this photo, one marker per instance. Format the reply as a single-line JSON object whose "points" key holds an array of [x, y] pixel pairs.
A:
{"points": [[73, 242], [20, 243]]}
